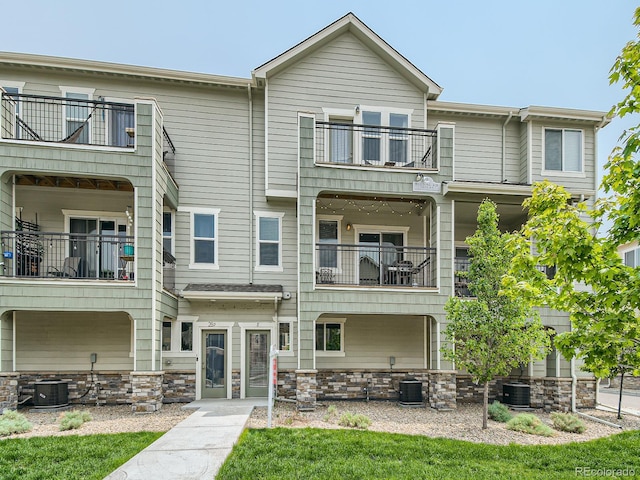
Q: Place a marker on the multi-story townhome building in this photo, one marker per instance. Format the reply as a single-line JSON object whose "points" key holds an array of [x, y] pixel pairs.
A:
{"points": [[161, 229]]}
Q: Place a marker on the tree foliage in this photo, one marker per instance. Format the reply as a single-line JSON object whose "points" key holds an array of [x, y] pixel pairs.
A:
{"points": [[492, 333], [591, 282], [622, 179]]}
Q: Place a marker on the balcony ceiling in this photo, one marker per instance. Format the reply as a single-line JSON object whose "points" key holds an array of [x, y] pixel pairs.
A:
{"points": [[512, 216], [336, 204], [74, 182]]}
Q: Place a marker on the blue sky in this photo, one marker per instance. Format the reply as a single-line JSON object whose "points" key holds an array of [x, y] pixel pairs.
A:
{"points": [[515, 53]]}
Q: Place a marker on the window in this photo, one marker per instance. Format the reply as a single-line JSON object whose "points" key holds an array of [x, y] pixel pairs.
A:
{"points": [[398, 139], [330, 336], [167, 232], [563, 150], [385, 139], [632, 258], [371, 138], [284, 336], [186, 336], [328, 239], [166, 336], [204, 238], [269, 241], [77, 117]]}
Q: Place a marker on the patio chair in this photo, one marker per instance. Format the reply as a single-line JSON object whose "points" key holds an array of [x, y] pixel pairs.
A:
{"points": [[70, 268]]}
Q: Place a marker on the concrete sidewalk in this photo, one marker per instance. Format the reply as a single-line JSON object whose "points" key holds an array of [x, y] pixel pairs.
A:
{"points": [[630, 399], [197, 447]]}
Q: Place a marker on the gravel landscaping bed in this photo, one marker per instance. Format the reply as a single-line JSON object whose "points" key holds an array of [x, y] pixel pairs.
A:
{"points": [[108, 419], [464, 423]]}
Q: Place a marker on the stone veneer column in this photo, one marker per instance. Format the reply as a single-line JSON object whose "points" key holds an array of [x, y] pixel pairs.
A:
{"points": [[306, 389], [8, 391], [146, 391], [442, 390]]}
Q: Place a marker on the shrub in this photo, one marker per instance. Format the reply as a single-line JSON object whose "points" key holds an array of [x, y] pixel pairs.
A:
{"points": [[352, 420], [73, 420], [529, 423], [499, 412], [331, 412], [13, 422], [567, 422]]}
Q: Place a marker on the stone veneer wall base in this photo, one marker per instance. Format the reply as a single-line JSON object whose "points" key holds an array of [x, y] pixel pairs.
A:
{"points": [[8, 391], [146, 391]]}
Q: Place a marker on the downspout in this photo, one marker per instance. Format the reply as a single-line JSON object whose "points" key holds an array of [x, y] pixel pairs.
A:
{"points": [[250, 183], [504, 147]]}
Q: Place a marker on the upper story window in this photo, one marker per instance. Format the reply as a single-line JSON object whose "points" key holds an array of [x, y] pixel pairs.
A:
{"points": [[328, 240], [77, 114], [382, 145], [269, 241], [14, 88], [563, 150], [632, 258], [204, 238], [167, 232]]}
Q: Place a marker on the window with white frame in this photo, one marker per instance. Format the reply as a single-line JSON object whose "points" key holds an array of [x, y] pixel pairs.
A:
{"points": [[385, 139], [167, 232], [284, 336], [204, 238], [77, 114], [632, 258], [166, 335], [330, 336], [328, 240], [269, 241], [563, 150], [186, 336], [14, 88]]}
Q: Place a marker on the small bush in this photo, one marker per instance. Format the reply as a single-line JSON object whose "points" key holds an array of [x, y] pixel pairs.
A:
{"points": [[566, 422], [529, 423], [13, 422], [332, 411], [73, 420], [499, 412], [352, 420]]}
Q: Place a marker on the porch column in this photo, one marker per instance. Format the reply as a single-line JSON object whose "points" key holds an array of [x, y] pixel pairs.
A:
{"points": [[442, 390], [306, 389], [146, 391], [6, 342]]}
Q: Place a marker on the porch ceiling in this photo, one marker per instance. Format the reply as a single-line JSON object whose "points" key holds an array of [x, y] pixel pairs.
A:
{"points": [[73, 182], [335, 204]]}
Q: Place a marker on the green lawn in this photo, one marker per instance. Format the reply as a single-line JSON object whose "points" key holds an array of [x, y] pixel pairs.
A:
{"points": [[342, 454], [70, 457]]}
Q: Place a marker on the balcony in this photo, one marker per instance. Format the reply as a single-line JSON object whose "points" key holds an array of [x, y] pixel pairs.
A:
{"points": [[49, 255], [375, 266], [168, 271], [38, 118], [375, 146]]}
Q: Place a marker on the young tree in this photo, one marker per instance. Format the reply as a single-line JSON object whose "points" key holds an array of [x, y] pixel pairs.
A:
{"points": [[605, 331], [492, 333]]}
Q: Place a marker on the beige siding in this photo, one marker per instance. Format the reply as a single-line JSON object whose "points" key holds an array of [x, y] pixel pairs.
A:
{"points": [[369, 341], [338, 75], [64, 341]]}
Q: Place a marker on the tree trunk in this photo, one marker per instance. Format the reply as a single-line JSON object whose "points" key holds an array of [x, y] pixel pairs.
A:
{"points": [[485, 409], [620, 397]]}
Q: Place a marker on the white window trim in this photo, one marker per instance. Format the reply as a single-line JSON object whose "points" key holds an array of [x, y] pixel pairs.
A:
{"points": [[216, 238], [64, 90], [335, 218], [108, 122], [330, 353], [563, 173], [290, 321], [385, 116], [173, 228], [268, 268]]}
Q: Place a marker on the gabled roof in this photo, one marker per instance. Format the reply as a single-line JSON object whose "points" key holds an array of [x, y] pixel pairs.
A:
{"points": [[352, 24]]}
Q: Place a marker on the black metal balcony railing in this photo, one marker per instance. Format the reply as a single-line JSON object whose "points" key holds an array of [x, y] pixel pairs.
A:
{"points": [[66, 256], [168, 271], [67, 120], [375, 265], [372, 145]]}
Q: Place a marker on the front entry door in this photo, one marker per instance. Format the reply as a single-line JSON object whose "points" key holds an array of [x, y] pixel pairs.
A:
{"points": [[257, 363], [214, 364]]}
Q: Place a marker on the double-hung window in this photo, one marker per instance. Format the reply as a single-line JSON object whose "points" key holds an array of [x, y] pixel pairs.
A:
{"points": [[167, 232], [385, 137], [13, 89], [563, 150], [330, 337], [77, 114], [269, 241], [204, 238], [328, 240], [632, 258]]}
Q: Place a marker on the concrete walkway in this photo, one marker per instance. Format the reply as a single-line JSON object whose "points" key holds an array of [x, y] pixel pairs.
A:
{"points": [[630, 399], [197, 447]]}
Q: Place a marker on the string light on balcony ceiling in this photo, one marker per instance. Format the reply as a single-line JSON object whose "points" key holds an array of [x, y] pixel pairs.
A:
{"points": [[401, 207]]}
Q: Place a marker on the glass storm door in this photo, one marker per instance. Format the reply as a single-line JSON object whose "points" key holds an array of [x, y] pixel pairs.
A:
{"points": [[214, 364], [257, 363]]}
